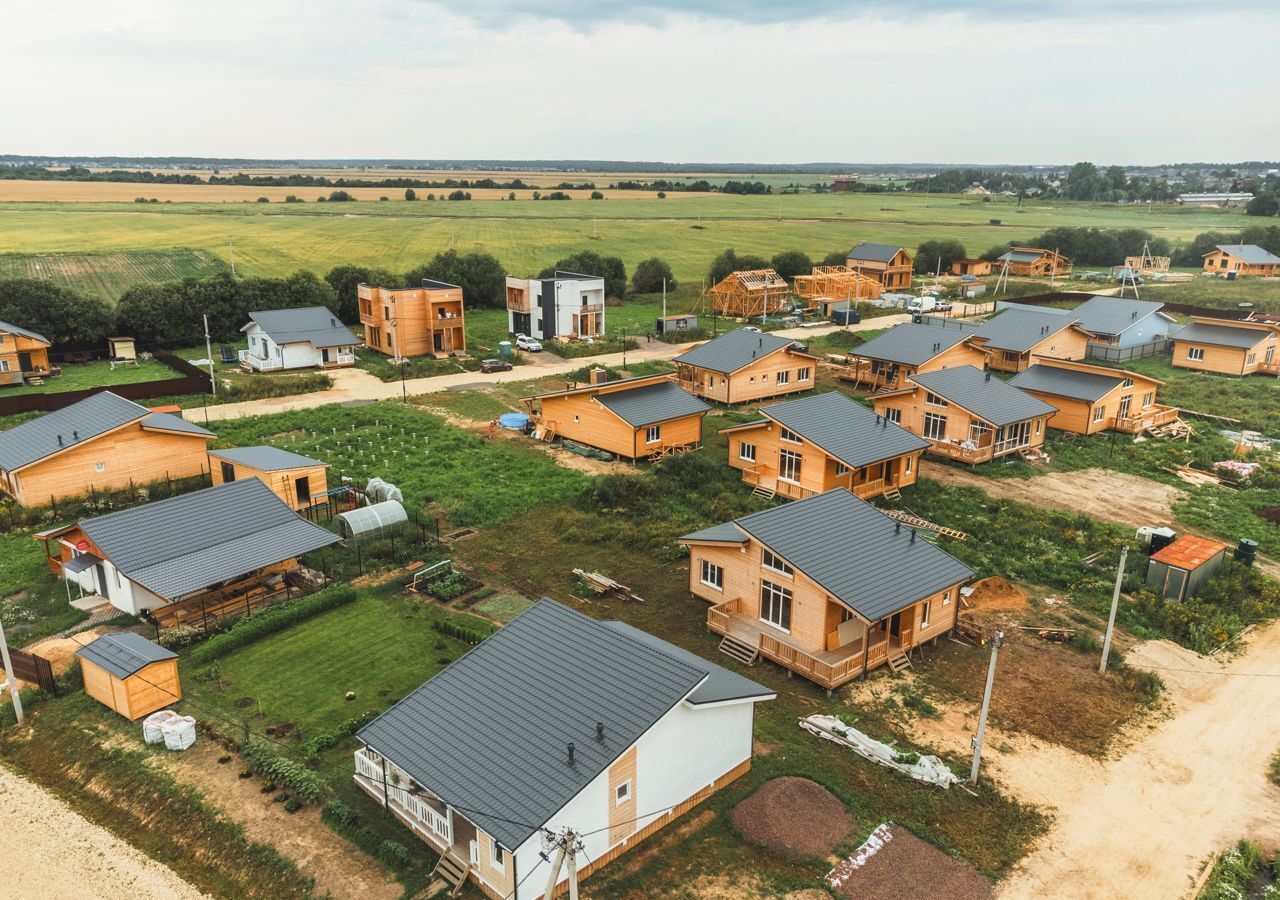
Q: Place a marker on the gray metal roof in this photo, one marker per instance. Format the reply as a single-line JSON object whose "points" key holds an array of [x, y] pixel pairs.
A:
{"points": [[984, 395], [910, 344], [1250, 254], [1113, 315], [1221, 335], [432, 284], [83, 421], [25, 332], [722, 685], [1018, 330], [1070, 383], [733, 350], [313, 325], [652, 403], [176, 546], [1021, 255], [266, 459], [170, 422], [875, 252], [124, 654], [845, 429], [860, 556], [724, 533], [490, 733]]}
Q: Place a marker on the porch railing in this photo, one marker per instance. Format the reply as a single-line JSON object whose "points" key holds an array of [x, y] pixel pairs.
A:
{"points": [[1151, 417], [718, 616], [827, 674], [427, 818], [869, 487], [964, 454]]}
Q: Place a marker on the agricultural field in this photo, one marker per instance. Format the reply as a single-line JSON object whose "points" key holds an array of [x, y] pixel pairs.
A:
{"points": [[109, 274]]}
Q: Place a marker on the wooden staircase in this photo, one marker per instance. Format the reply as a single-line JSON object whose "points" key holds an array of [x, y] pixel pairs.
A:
{"points": [[898, 663], [453, 871], [765, 491], [739, 650], [892, 494]]}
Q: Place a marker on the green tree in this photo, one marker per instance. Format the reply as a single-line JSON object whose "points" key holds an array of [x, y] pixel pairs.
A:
{"points": [[159, 314], [648, 275], [346, 278], [65, 316], [729, 262], [340, 197], [410, 194], [610, 268], [929, 252], [1263, 205], [596, 195], [790, 263], [835, 258], [482, 278]]}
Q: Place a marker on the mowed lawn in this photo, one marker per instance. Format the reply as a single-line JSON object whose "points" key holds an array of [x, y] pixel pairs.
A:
{"points": [[81, 376]]}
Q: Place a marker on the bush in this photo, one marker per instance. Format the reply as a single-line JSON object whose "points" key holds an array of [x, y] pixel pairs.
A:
{"points": [[271, 620], [327, 739], [648, 276], [262, 757], [394, 854], [461, 632], [791, 263], [338, 816]]}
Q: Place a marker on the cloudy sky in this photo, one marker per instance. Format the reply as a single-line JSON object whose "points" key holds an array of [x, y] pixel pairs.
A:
{"points": [[1129, 81]]}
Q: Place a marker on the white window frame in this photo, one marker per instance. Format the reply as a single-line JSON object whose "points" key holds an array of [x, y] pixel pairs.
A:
{"points": [[924, 614], [1128, 383], [746, 451], [1195, 353], [496, 859], [802, 374], [622, 793], [783, 378], [775, 563], [786, 434], [1099, 413], [1148, 399], [946, 597], [716, 572], [100, 467], [893, 414], [936, 423], [932, 399], [790, 460], [4, 365], [653, 434], [906, 464], [785, 604]]}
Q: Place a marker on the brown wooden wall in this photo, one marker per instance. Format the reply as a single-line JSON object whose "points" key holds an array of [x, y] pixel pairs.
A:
{"points": [[579, 417], [1222, 360], [912, 408], [420, 317], [1217, 261], [153, 687], [282, 481], [757, 381], [622, 816]]}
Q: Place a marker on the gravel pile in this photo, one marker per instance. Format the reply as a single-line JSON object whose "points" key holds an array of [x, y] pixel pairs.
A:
{"points": [[793, 814], [894, 864]]}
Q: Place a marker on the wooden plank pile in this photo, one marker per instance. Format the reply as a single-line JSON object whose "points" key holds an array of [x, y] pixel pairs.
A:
{"points": [[602, 584]]}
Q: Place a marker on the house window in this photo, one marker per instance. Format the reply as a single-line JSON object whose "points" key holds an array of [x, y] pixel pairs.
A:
{"points": [[622, 793], [841, 469], [906, 465], [495, 856], [802, 374], [575, 417], [775, 562], [935, 426], [946, 598], [924, 614], [4, 365], [934, 400], [100, 467], [711, 381], [746, 452], [790, 436], [789, 466], [1147, 400], [764, 376], [1251, 359], [1098, 413], [1039, 422], [846, 615], [977, 430], [653, 434], [784, 378], [894, 415], [1196, 353], [1128, 382], [775, 605], [228, 472], [712, 575]]}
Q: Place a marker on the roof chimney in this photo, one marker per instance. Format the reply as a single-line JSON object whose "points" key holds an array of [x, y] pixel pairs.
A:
{"points": [[599, 731], [571, 753], [913, 540], [333, 323], [897, 526], [59, 440], [75, 435], [1134, 314], [987, 375]]}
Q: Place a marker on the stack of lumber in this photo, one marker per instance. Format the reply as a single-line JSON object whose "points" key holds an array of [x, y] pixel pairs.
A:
{"points": [[602, 584]]}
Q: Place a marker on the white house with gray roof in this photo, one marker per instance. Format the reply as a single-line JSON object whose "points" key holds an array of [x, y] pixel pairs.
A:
{"points": [[556, 721], [307, 337]]}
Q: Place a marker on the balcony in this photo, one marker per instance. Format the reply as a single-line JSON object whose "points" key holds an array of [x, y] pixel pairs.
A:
{"points": [[1151, 417], [826, 668], [253, 363]]}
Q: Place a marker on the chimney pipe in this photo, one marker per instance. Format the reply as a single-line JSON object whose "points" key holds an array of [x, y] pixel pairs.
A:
{"points": [[897, 527], [913, 535], [987, 377], [571, 753], [75, 435], [59, 440], [599, 731]]}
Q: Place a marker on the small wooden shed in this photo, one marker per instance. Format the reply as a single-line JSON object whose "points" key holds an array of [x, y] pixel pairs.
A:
{"points": [[674, 324], [1180, 569], [130, 674], [122, 349], [292, 477]]}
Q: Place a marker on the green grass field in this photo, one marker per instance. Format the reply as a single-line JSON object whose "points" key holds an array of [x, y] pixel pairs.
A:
{"points": [[109, 274], [81, 376]]}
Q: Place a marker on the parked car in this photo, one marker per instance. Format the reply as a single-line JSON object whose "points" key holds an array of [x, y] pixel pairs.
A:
{"points": [[524, 342], [922, 304], [1129, 277], [494, 365]]}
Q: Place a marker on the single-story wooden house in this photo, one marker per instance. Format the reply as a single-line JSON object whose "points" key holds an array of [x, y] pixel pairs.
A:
{"points": [[302, 338], [828, 587], [808, 446], [23, 353], [292, 477], [1227, 346], [192, 558], [889, 263], [102, 443], [975, 267], [130, 674], [645, 417], [742, 366], [1178, 570], [1241, 260], [1093, 398], [885, 362], [968, 415], [1015, 337], [557, 720], [1033, 262]]}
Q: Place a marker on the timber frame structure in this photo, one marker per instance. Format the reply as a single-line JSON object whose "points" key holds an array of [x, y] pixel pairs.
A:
{"points": [[837, 283], [754, 292]]}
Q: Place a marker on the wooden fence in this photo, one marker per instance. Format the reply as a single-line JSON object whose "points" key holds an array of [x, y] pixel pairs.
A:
{"points": [[33, 669], [189, 380]]}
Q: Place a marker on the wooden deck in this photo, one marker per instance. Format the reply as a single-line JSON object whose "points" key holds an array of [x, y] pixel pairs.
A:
{"points": [[241, 598], [1152, 417]]}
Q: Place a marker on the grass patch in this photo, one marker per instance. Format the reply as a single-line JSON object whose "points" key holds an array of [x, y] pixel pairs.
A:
{"points": [[110, 274], [82, 376], [1254, 399], [33, 603], [1240, 873], [504, 607]]}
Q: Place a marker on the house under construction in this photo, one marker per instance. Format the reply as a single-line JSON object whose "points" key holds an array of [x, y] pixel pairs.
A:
{"points": [[837, 283], [757, 292], [1147, 265]]}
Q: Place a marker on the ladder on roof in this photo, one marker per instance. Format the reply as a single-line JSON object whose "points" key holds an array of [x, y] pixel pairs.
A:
{"points": [[915, 521]]}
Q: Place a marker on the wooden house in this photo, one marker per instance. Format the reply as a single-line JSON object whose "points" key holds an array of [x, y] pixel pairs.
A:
{"points": [[805, 447], [974, 267], [130, 674], [1033, 262], [833, 284], [566, 306], [646, 417], [742, 366], [1093, 398], [1227, 346], [967, 415], [23, 354], [615, 734], [1015, 337], [1180, 569], [423, 321], [886, 361], [828, 587], [292, 477], [749, 294], [102, 443], [194, 558], [308, 337], [1241, 260], [888, 263]]}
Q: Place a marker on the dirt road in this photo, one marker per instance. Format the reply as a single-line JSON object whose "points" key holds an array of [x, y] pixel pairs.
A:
{"points": [[52, 851]]}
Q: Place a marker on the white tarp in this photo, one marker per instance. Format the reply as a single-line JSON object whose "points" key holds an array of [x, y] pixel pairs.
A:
{"points": [[924, 768]]}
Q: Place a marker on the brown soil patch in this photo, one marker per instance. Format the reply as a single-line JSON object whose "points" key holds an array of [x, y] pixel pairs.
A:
{"points": [[62, 651], [793, 814], [906, 868], [996, 593], [1270, 513]]}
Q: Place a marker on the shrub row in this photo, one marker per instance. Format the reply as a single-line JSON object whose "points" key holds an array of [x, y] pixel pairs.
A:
{"points": [[273, 619], [263, 759], [326, 739], [338, 816], [461, 632]]}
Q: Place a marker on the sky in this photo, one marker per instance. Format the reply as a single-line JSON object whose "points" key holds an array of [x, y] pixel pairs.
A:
{"points": [[1128, 81]]}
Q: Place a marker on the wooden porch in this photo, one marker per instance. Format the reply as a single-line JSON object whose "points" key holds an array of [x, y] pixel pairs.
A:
{"points": [[863, 373], [766, 483], [1152, 417], [237, 598]]}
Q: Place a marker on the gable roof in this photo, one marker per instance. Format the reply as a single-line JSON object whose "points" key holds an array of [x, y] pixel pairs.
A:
{"points": [[1188, 552], [490, 733], [910, 344], [124, 654], [875, 252], [1249, 254], [266, 459], [652, 403], [845, 428], [1070, 383], [76, 424], [1113, 315], [984, 395], [313, 325], [1022, 255], [1222, 335], [1018, 330], [161, 421], [180, 545], [860, 556], [721, 685], [16, 329], [733, 350]]}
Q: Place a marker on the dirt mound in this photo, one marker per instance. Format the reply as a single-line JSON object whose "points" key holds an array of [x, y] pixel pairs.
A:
{"points": [[894, 864], [996, 593], [793, 814], [61, 651]]}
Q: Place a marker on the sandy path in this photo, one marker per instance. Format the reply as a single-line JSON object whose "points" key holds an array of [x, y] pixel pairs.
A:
{"points": [[1141, 825], [52, 851]]}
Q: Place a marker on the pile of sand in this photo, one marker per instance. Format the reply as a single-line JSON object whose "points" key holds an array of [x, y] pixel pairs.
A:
{"points": [[996, 593], [793, 814]]}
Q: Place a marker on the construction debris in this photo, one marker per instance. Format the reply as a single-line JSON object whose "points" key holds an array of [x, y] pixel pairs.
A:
{"points": [[602, 584], [928, 769]]}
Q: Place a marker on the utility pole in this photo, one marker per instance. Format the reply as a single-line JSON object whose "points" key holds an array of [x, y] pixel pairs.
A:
{"points": [[624, 346], [567, 847], [11, 680], [395, 346], [208, 350], [232, 245], [664, 298], [986, 705], [1111, 619]]}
